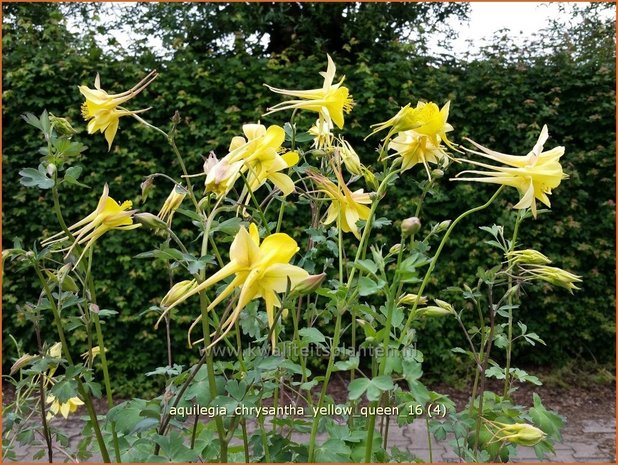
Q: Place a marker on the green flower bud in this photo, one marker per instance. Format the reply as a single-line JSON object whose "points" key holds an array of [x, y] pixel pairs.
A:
{"points": [[410, 226], [149, 220], [437, 174], [62, 125]]}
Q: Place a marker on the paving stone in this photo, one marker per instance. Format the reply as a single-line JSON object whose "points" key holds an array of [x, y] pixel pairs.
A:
{"points": [[586, 450], [592, 426]]}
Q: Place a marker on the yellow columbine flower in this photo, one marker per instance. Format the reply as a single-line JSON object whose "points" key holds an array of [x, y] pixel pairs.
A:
{"points": [[554, 275], [258, 155], [70, 406], [322, 134], [534, 175], [171, 204], [103, 110], [410, 299], [108, 215], [331, 101], [527, 257], [350, 158], [426, 119], [415, 148], [522, 434], [347, 207], [260, 271]]}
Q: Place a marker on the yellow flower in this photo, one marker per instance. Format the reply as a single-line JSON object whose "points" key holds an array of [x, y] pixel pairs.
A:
{"points": [[92, 353], [527, 257], [107, 216], [70, 406], [426, 119], [522, 434], [350, 158], [322, 134], [178, 290], [172, 203], [103, 110], [415, 148], [55, 350], [347, 207], [260, 271], [330, 102], [534, 175], [554, 275], [258, 155]]}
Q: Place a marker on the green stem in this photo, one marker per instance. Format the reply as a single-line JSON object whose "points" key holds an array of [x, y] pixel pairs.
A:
{"points": [[211, 374], [434, 260], [65, 349], [429, 440], [101, 343], [509, 346], [329, 370]]}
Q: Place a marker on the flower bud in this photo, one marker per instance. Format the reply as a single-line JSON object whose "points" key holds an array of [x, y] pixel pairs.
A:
{"points": [[177, 291], [522, 434], [21, 362], [410, 299], [285, 313], [176, 117], [442, 226], [350, 158], [410, 226], [437, 174], [149, 220], [395, 249], [55, 350], [62, 125], [147, 186], [444, 305], [310, 284], [370, 179], [433, 311], [51, 169]]}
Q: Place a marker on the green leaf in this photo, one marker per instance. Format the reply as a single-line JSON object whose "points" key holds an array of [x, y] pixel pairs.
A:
{"points": [[357, 388], [367, 286], [311, 335], [36, 178], [549, 422], [333, 450], [72, 174], [367, 266]]}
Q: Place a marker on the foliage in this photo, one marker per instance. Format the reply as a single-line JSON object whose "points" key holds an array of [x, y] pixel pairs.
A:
{"points": [[504, 96]]}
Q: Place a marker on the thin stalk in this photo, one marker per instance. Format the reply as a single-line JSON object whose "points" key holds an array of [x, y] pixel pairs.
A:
{"points": [[434, 260], [485, 361], [46, 432], [429, 444], [65, 349], [99, 332], [509, 346], [329, 370]]}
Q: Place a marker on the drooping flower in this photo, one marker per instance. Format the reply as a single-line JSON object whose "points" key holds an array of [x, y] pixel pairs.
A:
{"points": [[171, 204], [258, 155], [533, 175], [261, 270], [92, 353], [64, 408], [415, 148], [346, 207], [103, 110], [522, 434], [527, 257], [322, 134], [108, 215], [178, 291], [426, 119], [350, 158], [330, 102], [553, 275]]}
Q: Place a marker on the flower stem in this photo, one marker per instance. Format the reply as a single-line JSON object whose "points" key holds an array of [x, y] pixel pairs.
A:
{"points": [[509, 346], [65, 349], [434, 260], [101, 343]]}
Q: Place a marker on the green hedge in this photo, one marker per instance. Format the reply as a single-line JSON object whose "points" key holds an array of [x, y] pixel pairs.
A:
{"points": [[499, 101]]}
